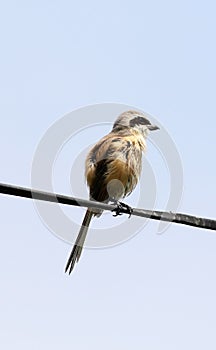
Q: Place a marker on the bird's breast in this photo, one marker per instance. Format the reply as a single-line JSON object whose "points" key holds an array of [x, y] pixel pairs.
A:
{"points": [[113, 167]]}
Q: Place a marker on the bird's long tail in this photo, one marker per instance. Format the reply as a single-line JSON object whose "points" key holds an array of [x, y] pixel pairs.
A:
{"points": [[78, 246]]}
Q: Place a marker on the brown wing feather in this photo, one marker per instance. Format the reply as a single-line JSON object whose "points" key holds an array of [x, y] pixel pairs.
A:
{"points": [[113, 157]]}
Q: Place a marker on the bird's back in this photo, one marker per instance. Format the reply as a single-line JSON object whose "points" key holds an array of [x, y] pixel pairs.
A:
{"points": [[113, 165]]}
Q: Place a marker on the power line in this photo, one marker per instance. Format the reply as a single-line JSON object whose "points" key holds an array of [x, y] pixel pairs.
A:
{"points": [[178, 218]]}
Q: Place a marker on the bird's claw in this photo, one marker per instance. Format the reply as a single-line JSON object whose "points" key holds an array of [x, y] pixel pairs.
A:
{"points": [[122, 208]]}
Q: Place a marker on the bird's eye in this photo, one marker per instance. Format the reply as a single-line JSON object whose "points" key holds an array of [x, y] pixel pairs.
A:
{"points": [[139, 121]]}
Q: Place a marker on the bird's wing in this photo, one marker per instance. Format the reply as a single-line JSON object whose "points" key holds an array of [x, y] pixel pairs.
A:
{"points": [[113, 157]]}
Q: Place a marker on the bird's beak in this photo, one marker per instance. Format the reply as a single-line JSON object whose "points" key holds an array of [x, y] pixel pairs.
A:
{"points": [[153, 127]]}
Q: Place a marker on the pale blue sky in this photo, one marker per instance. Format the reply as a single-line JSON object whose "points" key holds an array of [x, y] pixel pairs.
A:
{"points": [[155, 291]]}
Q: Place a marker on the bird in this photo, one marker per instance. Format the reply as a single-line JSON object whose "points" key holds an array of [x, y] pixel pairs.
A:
{"points": [[112, 170]]}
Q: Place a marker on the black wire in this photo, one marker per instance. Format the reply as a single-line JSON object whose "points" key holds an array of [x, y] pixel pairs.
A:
{"points": [[178, 218]]}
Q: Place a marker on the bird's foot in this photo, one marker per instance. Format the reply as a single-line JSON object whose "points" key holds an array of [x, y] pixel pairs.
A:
{"points": [[122, 208]]}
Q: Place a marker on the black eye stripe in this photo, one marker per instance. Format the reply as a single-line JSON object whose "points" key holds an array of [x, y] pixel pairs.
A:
{"points": [[139, 121]]}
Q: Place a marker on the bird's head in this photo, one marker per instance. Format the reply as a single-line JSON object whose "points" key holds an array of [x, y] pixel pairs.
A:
{"points": [[134, 120]]}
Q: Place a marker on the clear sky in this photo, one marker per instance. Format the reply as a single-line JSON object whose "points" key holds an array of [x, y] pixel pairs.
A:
{"points": [[154, 291]]}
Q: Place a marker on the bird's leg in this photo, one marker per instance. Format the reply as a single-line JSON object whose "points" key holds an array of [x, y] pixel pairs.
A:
{"points": [[121, 208]]}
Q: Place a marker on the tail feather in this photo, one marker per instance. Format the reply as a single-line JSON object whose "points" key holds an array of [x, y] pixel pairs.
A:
{"points": [[78, 246]]}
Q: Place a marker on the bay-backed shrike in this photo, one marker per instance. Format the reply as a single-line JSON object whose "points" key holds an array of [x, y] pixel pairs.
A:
{"points": [[112, 168]]}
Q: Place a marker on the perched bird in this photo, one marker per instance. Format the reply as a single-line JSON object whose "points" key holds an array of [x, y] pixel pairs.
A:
{"points": [[112, 169]]}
